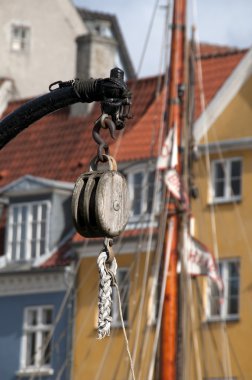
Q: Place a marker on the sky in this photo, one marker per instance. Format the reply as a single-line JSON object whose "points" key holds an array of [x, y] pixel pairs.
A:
{"points": [[224, 22]]}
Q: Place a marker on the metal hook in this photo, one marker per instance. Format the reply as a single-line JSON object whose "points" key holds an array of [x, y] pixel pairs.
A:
{"points": [[103, 122]]}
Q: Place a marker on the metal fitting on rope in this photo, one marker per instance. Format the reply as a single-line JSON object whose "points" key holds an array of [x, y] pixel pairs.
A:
{"points": [[104, 122]]}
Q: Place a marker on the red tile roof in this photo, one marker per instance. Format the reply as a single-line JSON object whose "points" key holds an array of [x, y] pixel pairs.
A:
{"points": [[217, 66], [60, 147]]}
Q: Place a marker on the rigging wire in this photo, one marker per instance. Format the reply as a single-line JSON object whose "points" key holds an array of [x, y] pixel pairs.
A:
{"points": [[162, 225], [161, 299], [210, 331], [57, 319], [121, 243], [143, 54], [192, 314], [226, 352], [160, 139]]}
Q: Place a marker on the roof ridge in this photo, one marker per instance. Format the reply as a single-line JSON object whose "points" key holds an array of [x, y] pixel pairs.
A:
{"points": [[220, 54]]}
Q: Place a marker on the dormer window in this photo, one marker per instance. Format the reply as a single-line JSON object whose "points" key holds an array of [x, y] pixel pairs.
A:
{"points": [[20, 37], [27, 230]]}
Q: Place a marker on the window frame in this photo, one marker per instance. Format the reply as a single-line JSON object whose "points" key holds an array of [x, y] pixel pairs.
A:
{"points": [[224, 315], [38, 329], [28, 233], [228, 197], [20, 43], [116, 320]]}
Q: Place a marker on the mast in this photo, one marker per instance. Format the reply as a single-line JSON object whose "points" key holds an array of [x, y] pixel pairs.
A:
{"points": [[169, 333]]}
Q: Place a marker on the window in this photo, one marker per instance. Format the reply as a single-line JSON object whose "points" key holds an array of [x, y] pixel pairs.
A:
{"points": [[141, 192], [123, 284], [20, 38], [36, 348], [228, 308], [27, 230], [226, 179]]}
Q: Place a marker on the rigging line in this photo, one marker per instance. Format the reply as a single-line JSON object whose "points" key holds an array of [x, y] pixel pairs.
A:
{"points": [[156, 271], [241, 223], [190, 304], [150, 235], [206, 327], [118, 145], [166, 42], [59, 315], [84, 324], [108, 346], [64, 334], [162, 296], [195, 337], [124, 333], [236, 359], [196, 352], [156, 268], [114, 328], [246, 239], [56, 321], [202, 307], [110, 341], [212, 210], [132, 265], [146, 42], [146, 269], [121, 133]]}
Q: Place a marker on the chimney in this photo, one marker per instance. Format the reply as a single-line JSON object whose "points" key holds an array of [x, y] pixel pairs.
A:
{"points": [[96, 54]]}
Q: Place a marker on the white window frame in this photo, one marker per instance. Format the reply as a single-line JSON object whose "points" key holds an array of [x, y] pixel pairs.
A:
{"points": [[228, 196], [38, 329], [116, 320], [224, 315], [19, 42], [28, 237], [143, 217]]}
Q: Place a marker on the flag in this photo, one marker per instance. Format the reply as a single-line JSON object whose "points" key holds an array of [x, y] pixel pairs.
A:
{"points": [[174, 154], [164, 158], [200, 261], [173, 183]]}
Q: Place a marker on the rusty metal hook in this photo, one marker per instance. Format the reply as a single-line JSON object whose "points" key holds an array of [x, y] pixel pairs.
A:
{"points": [[103, 122]]}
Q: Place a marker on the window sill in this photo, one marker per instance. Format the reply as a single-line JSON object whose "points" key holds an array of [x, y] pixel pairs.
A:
{"points": [[228, 319], [138, 222], [118, 325], [224, 200], [34, 372]]}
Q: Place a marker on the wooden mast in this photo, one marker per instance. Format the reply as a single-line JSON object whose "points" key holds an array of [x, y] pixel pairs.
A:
{"points": [[169, 334]]}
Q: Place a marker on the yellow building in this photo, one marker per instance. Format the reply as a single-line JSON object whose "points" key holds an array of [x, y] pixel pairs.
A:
{"points": [[222, 330]]}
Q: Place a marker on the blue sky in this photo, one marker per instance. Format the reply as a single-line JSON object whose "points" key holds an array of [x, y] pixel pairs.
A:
{"points": [[226, 22]]}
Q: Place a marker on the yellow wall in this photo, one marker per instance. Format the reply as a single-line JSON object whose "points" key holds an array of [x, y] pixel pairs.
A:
{"points": [[228, 345]]}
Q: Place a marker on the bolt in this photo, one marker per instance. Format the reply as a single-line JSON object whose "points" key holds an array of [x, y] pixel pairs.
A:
{"points": [[116, 205]]}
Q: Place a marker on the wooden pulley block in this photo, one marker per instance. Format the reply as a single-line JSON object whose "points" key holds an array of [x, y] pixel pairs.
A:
{"points": [[100, 201]]}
